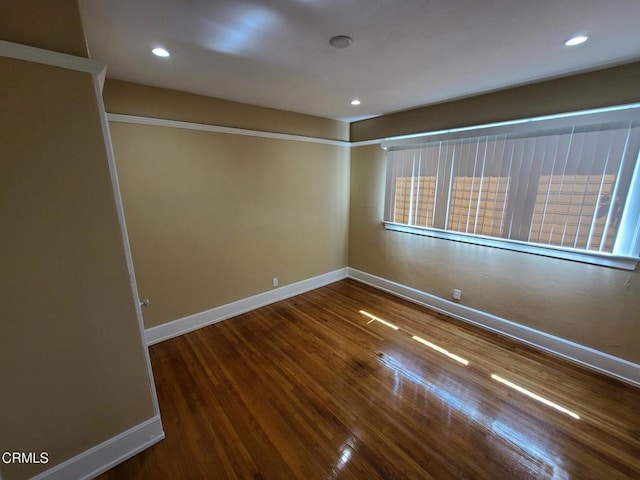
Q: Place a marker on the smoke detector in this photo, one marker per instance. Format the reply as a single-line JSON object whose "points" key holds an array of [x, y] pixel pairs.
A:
{"points": [[340, 41]]}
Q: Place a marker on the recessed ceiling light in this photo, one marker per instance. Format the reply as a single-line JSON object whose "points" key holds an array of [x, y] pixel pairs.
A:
{"points": [[160, 52], [576, 40], [340, 41], [355, 102]]}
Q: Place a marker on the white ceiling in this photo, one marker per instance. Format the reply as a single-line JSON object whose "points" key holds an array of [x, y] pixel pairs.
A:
{"points": [[405, 53]]}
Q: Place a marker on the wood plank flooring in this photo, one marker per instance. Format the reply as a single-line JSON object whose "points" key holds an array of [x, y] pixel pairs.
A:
{"points": [[311, 388]]}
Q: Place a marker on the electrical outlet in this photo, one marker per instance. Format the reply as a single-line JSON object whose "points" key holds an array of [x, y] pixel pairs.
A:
{"points": [[457, 294], [275, 281]]}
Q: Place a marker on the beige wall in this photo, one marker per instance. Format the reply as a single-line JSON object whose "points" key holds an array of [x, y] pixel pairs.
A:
{"points": [[594, 306], [194, 251], [54, 25], [603, 88], [213, 217], [73, 366], [134, 99], [75, 371]]}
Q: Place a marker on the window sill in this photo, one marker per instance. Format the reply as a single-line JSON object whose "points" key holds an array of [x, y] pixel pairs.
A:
{"points": [[602, 259]]}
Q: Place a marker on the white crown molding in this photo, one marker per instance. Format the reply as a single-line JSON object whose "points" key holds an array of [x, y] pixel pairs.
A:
{"points": [[160, 122], [48, 57], [602, 362], [97, 460], [193, 322], [98, 69], [364, 143]]}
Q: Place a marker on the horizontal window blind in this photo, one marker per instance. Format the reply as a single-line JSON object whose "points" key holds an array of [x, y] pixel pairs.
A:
{"points": [[567, 183]]}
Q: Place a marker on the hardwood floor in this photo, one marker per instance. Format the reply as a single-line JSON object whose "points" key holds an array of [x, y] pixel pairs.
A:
{"points": [[310, 388]]}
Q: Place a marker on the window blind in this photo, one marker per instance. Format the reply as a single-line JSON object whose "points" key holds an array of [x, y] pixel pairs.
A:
{"points": [[567, 183]]}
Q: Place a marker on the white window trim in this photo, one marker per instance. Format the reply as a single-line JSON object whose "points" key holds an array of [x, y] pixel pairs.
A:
{"points": [[595, 258], [602, 259]]}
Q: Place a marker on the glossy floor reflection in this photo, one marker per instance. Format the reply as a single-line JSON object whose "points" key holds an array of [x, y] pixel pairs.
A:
{"points": [[519, 446], [322, 386]]}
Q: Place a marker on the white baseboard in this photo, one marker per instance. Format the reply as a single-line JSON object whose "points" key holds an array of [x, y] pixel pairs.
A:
{"points": [[97, 460], [223, 312], [608, 364]]}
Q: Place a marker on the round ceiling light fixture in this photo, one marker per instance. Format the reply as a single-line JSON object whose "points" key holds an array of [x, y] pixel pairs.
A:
{"points": [[576, 40], [355, 102], [340, 41], [160, 52]]}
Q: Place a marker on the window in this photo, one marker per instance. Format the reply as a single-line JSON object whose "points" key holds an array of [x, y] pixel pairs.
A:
{"points": [[564, 186]]}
